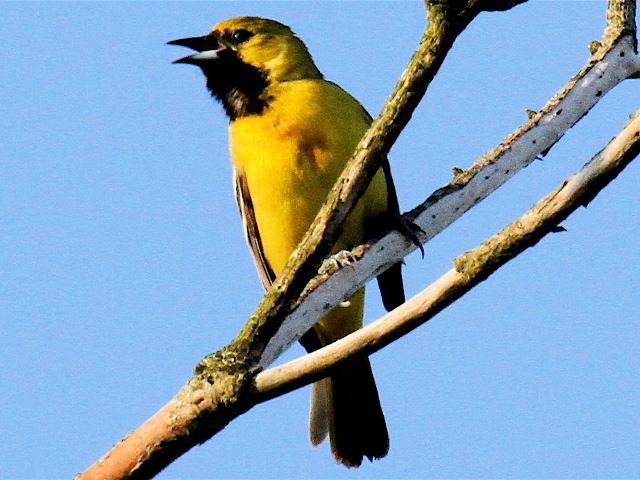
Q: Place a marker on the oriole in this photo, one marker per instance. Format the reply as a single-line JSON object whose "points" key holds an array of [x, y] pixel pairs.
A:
{"points": [[291, 133]]}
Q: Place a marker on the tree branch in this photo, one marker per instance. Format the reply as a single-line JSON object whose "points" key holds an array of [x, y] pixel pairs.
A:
{"points": [[470, 269], [223, 386]]}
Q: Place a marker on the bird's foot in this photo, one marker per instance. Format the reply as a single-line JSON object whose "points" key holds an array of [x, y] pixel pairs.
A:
{"points": [[410, 230], [335, 262]]}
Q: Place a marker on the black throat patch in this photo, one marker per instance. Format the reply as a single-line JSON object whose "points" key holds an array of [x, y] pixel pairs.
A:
{"points": [[238, 86]]}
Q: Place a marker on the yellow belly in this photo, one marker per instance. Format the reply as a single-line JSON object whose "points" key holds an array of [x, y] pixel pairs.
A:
{"points": [[290, 157]]}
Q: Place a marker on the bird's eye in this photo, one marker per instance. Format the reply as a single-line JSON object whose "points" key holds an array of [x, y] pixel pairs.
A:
{"points": [[241, 35]]}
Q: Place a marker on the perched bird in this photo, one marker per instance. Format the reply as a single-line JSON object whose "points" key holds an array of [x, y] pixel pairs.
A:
{"points": [[291, 133]]}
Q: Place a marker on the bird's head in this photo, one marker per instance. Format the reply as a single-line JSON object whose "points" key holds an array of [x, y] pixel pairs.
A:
{"points": [[243, 56]]}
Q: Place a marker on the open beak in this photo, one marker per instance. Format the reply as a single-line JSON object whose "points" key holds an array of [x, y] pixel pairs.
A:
{"points": [[208, 48]]}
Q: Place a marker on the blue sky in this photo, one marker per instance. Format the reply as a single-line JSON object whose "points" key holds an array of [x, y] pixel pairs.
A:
{"points": [[122, 259]]}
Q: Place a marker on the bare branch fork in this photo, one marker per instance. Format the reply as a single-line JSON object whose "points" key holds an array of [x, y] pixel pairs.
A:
{"points": [[225, 384]]}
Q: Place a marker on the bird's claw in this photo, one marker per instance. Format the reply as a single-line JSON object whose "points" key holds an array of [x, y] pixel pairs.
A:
{"points": [[337, 261], [411, 231]]}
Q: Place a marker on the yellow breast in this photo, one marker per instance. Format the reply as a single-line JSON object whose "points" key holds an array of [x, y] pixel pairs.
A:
{"points": [[291, 156]]}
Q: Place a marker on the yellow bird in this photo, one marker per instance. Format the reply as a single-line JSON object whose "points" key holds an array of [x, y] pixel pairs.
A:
{"points": [[291, 133]]}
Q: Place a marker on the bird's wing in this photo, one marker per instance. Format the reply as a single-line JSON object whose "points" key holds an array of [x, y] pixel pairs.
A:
{"points": [[310, 340], [251, 233]]}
